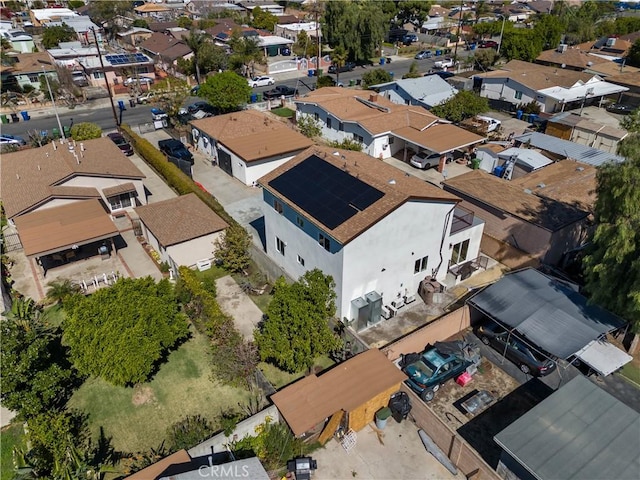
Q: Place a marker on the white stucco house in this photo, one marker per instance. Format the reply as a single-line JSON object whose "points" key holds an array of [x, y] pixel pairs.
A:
{"points": [[553, 89], [425, 92], [384, 128], [377, 231], [63, 196], [247, 144], [183, 230]]}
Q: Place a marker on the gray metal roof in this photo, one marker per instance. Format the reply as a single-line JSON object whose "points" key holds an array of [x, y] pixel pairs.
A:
{"points": [[430, 90], [546, 312], [247, 468], [579, 432], [580, 153]]}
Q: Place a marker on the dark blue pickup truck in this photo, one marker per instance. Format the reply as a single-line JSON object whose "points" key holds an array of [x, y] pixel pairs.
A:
{"points": [[175, 148]]}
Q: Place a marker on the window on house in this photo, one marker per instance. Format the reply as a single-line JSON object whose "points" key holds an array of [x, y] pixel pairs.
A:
{"points": [[391, 140], [324, 242], [420, 265], [301, 260], [328, 122], [34, 77], [300, 222], [316, 117], [358, 138], [277, 206], [120, 201], [280, 245], [518, 95], [341, 126], [459, 253], [98, 75]]}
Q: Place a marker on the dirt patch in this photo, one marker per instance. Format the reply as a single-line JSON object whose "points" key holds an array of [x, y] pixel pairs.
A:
{"points": [[143, 396]]}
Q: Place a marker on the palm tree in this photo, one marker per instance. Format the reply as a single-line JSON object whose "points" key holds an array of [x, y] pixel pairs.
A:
{"points": [[246, 49], [195, 41], [23, 309], [339, 59], [60, 290]]}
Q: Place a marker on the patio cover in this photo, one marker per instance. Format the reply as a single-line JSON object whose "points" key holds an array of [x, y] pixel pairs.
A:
{"points": [[579, 432], [441, 138], [52, 230], [545, 311], [603, 357]]}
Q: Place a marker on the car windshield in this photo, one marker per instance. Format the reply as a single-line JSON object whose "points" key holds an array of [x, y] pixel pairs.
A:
{"points": [[427, 155], [433, 359], [119, 141], [421, 367]]}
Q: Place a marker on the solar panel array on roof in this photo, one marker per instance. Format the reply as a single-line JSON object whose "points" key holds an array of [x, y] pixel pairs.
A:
{"points": [[123, 59], [327, 193]]}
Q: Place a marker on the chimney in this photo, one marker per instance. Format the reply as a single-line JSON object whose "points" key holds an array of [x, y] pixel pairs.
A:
{"points": [[373, 97]]}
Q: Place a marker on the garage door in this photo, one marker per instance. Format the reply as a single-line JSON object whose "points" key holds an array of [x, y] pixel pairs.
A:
{"points": [[225, 161]]}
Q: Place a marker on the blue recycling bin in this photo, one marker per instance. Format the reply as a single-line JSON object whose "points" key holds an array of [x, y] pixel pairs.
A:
{"points": [[499, 171], [519, 114], [533, 117], [438, 53], [310, 73], [382, 60], [472, 46], [25, 115], [121, 105], [254, 98]]}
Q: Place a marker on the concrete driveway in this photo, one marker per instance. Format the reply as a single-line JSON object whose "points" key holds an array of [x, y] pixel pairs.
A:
{"points": [[234, 302], [398, 453]]}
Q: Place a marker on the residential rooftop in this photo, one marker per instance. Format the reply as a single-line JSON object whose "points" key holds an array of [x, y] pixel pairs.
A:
{"points": [[32, 176], [395, 186], [567, 149], [538, 77], [180, 219], [252, 135], [512, 199]]}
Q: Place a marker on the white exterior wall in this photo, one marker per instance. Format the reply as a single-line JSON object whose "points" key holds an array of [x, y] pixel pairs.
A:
{"points": [[410, 233], [254, 170], [188, 253], [505, 89], [473, 234], [103, 182]]}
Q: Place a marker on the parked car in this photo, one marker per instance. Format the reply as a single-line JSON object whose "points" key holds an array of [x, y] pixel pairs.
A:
{"points": [[409, 38], [492, 123], [487, 44], [175, 148], [285, 51], [195, 90], [280, 91], [424, 160], [148, 97], [620, 108], [347, 67], [140, 80], [428, 370], [121, 143], [528, 359], [444, 63], [79, 79], [12, 140], [158, 114], [198, 110], [263, 81], [422, 54], [442, 74], [397, 34]]}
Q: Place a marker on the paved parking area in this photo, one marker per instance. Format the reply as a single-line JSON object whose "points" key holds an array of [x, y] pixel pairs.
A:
{"points": [[397, 454]]}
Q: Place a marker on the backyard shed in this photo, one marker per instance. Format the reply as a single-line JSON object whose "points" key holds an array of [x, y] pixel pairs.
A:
{"points": [[352, 392]]}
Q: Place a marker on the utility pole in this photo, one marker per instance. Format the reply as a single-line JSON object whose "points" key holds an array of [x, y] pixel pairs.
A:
{"points": [[55, 109], [106, 81], [455, 51], [501, 33], [316, 9]]}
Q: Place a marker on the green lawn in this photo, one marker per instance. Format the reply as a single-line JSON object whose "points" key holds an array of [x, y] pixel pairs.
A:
{"points": [[283, 112], [137, 418], [632, 372], [11, 436], [279, 378]]}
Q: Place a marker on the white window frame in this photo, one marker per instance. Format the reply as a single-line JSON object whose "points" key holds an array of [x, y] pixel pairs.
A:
{"points": [[420, 265], [280, 246]]}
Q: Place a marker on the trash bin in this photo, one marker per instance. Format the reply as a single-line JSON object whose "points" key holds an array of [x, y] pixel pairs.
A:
{"points": [[359, 82], [400, 406], [320, 72], [254, 98], [519, 114], [525, 117], [472, 46], [14, 118], [25, 115], [383, 60], [121, 105], [311, 72], [382, 416], [438, 53], [67, 131], [56, 133], [132, 102], [533, 117], [352, 83], [258, 97], [4, 119], [475, 163]]}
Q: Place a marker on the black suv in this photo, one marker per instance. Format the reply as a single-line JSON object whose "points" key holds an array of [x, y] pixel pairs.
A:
{"points": [[347, 67], [175, 148], [529, 360]]}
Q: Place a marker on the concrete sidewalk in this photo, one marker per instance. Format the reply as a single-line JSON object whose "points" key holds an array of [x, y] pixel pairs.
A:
{"points": [[234, 302]]}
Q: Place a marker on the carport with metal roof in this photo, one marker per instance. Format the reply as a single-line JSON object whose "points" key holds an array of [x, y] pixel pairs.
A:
{"points": [[545, 312]]}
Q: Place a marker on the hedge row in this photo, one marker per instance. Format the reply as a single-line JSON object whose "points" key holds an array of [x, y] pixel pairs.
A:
{"points": [[171, 174]]}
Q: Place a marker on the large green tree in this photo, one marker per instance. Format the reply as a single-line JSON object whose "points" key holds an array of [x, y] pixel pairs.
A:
{"points": [[246, 52], [52, 36], [375, 77], [226, 91], [296, 329], [463, 105], [263, 19], [195, 41], [108, 14], [232, 250], [612, 264], [36, 376], [121, 332], [633, 56]]}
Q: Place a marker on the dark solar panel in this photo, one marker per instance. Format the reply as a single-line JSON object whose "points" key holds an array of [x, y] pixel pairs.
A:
{"points": [[327, 193]]}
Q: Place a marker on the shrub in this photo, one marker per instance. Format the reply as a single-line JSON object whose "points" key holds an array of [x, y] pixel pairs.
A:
{"points": [[347, 144], [85, 131], [189, 432], [308, 126]]}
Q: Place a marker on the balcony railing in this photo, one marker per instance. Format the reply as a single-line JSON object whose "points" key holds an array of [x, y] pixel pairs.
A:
{"points": [[462, 218]]}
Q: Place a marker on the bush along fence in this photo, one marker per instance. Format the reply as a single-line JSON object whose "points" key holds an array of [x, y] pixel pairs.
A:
{"points": [[171, 174]]}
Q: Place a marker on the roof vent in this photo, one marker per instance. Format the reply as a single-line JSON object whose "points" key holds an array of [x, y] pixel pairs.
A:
{"points": [[580, 169], [391, 182], [562, 48], [336, 154], [526, 190], [541, 185], [589, 64]]}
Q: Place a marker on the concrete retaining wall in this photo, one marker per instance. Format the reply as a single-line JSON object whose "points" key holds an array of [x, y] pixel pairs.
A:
{"points": [[245, 428]]}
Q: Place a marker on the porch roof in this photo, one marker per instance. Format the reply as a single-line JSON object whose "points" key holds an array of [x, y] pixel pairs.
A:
{"points": [[55, 229]]}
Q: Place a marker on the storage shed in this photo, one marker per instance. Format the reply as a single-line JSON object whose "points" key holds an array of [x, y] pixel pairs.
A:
{"points": [[351, 393]]}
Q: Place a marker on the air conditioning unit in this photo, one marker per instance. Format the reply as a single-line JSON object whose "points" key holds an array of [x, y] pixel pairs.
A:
{"points": [[562, 47], [386, 313]]}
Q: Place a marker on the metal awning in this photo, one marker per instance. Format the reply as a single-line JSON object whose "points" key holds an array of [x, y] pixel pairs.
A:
{"points": [[603, 357]]}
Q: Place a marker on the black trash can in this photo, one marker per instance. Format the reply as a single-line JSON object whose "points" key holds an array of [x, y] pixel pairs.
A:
{"points": [[14, 118], [132, 102], [400, 406]]}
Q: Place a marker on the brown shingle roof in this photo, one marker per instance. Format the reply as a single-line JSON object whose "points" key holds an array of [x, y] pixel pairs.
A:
{"points": [[28, 175], [397, 188], [119, 189], [512, 199], [536, 76], [158, 43], [565, 181], [630, 79], [347, 386], [252, 135], [440, 138], [152, 472], [53, 229], [31, 62], [572, 57], [180, 219]]}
